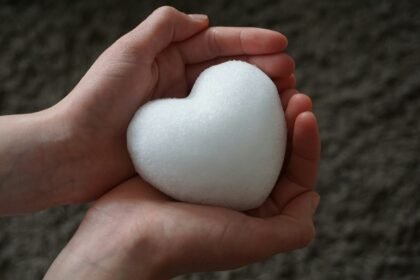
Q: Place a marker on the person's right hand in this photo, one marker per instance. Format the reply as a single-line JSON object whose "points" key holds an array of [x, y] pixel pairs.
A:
{"points": [[135, 231], [159, 58]]}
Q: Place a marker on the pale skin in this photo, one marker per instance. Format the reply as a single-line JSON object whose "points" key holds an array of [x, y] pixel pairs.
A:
{"points": [[75, 152]]}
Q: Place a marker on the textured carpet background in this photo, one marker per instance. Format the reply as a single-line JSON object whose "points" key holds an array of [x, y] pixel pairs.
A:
{"points": [[358, 60]]}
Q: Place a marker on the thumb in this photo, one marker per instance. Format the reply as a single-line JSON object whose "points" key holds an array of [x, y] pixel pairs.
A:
{"points": [[164, 26], [303, 207], [293, 228]]}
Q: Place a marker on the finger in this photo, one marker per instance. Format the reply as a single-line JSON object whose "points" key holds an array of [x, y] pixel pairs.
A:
{"points": [[164, 26], [231, 41], [302, 207], [253, 239], [285, 83], [286, 96], [305, 154], [291, 229], [294, 225], [297, 104], [301, 169], [274, 65], [268, 209]]}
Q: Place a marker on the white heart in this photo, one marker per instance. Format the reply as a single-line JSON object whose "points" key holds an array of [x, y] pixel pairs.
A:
{"points": [[223, 145]]}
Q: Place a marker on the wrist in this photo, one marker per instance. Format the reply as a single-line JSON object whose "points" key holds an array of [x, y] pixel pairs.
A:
{"points": [[31, 154], [103, 249]]}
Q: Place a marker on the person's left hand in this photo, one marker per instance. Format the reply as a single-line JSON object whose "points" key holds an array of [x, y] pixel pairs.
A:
{"points": [[135, 230], [159, 58]]}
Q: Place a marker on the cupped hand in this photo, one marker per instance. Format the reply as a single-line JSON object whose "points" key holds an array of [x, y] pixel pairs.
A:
{"points": [[159, 58], [139, 231]]}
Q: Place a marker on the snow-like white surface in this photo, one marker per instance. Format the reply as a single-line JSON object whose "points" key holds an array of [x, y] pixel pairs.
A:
{"points": [[223, 145]]}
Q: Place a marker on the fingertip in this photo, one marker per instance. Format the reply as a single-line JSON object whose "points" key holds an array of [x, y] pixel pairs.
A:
{"points": [[289, 64], [302, 101], [200, 19], [306, 136], [292, 81], [281, 66], [292, 64], [263, 41], [315, 201], [282, 40], [293, 78], [285, 41], [306, 121], [297, 104], [277, 66]]}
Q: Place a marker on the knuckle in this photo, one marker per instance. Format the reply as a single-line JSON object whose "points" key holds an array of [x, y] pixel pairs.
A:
{"points": [[128, 48], [165, 17], [212, 41], [166, 11]]}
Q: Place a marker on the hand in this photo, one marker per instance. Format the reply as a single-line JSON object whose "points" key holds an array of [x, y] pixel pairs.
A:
{"points": [[159, 58], [81, 142], [135, 230]]}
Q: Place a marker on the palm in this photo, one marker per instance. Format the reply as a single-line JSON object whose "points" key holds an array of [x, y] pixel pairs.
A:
{"points": [[224, 238], [126, 76], [162, 58]]}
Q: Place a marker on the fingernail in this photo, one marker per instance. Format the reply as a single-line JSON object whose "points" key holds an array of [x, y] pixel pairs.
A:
{"points": [[199, 17], [315, 202]]}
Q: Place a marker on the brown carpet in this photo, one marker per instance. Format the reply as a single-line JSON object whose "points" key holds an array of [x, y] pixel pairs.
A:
{"points": [[358, 60]]}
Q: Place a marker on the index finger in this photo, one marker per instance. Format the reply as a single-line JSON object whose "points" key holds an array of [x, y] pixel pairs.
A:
{"points": [[163, 27], [229, 41]]}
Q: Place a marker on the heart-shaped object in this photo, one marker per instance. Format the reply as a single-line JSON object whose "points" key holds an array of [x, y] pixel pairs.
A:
{"points": [[223, 145]]}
